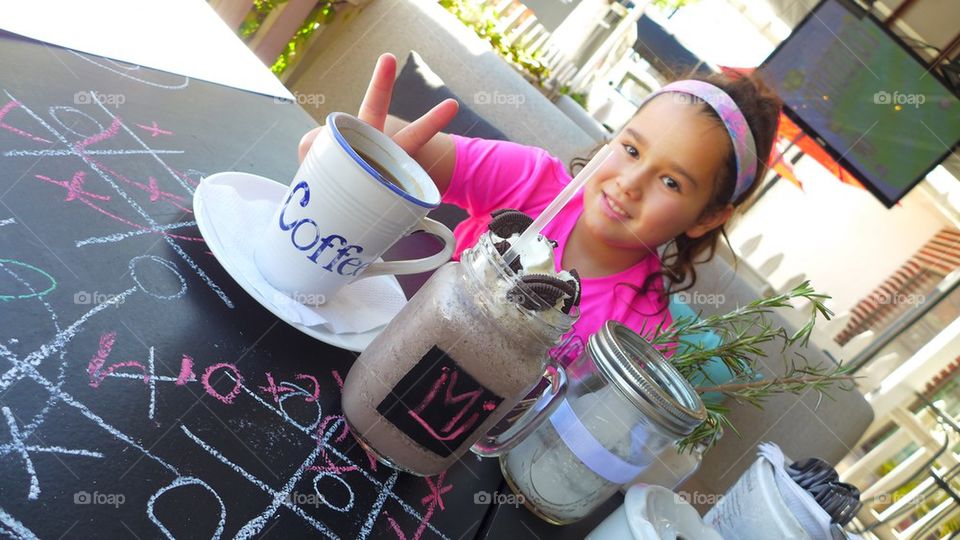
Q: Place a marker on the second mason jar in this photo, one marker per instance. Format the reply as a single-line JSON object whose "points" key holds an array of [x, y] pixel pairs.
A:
{"points": [[625, 405]]}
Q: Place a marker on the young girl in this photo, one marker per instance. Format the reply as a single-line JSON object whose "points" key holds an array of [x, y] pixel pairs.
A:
{"points": [[690, 155]]}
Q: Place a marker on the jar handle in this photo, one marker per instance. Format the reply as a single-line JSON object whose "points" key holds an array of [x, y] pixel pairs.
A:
{"points": [[526, 416]]}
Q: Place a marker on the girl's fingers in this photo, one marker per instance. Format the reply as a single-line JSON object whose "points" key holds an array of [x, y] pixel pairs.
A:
{"points": [[376, 102], [413, 136], [306, 142]]}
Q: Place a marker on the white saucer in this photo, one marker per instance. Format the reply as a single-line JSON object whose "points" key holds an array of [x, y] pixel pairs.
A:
{"points": [[258, 188]]}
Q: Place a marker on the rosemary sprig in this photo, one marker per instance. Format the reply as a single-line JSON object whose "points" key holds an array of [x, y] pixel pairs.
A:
{"points": [[742, 332], [756, 392], [708, 433]]}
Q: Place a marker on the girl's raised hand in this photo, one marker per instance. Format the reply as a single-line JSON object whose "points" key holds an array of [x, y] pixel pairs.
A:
{"points": [[376, 103]]}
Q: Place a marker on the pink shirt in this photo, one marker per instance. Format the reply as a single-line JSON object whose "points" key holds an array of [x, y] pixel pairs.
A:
{"points": [[490, 175]]}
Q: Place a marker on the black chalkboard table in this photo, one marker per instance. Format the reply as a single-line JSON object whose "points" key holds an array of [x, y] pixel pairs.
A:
{"points": [[142, 391]]}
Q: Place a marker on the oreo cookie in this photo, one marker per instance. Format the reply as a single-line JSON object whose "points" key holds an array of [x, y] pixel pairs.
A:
{"points": [[507, 222], [548, 289], [573, 300], [568, 288], [535, 296], [502, 247]]}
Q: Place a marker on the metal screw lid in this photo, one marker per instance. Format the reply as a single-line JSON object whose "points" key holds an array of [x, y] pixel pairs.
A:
{"points": [[646, 378]]}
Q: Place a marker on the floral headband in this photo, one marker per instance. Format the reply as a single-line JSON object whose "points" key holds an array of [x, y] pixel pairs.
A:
{"points": [[743, 144]]}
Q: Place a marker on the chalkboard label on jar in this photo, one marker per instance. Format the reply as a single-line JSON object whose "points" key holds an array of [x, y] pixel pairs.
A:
{"points": [[438, 404]]}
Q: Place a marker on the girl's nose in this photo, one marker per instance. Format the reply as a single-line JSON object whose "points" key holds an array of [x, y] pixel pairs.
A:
{"points": [[632, 180]]}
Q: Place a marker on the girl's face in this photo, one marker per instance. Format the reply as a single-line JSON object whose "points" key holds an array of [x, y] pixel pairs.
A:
{"points": [[659, 178]]}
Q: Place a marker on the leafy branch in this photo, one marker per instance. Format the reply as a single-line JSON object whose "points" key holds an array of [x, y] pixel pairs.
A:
{"points": [[485, 23], [743, 332]]}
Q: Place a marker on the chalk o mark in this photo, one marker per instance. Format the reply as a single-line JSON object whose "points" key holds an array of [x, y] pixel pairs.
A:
{"points": [[55, 113], [299, 391], [33, 293], [134, 262], [230, 396], [186, 80], [316, 489], [123, 65], [186, 481]]}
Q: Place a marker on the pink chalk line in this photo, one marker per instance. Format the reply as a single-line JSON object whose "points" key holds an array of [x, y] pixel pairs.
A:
{"points": [[3, 113], [154, 129]]}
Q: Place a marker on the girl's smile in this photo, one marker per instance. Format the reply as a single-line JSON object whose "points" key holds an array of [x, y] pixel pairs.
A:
{"points": [[612, 209]]}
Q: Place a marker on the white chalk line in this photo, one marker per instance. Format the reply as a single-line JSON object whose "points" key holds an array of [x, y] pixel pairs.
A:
{"points": [[152, 382], [54, 450], [15, 526], [60, 152], [186, 80], [377, 506], [116, 237], [18, 445]]}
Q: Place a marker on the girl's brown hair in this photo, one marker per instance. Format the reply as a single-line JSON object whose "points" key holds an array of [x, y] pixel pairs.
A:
{"points": [[760, 106]]}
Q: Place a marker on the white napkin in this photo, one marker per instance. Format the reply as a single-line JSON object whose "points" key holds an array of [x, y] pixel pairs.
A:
{"points": [[812, 517], [360, 306]]}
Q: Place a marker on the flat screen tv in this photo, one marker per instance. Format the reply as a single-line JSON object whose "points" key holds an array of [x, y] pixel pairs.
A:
{"points": [[866, 97]]}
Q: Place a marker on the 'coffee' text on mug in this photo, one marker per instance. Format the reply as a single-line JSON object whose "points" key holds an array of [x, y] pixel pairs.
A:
{"points": [[350, 263]]}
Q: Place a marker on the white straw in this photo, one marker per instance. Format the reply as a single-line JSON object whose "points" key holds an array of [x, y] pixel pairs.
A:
{"points": [[557, 204]]}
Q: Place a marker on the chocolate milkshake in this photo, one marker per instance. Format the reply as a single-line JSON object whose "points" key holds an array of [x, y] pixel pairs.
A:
{"points": [[467, 347]]}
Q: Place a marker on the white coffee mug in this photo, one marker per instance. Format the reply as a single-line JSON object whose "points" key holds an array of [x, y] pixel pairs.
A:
{"points": [[343, 210]]}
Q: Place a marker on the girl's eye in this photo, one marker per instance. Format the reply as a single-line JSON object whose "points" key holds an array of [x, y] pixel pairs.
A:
{"points": [[667, 181], [671, 183]]}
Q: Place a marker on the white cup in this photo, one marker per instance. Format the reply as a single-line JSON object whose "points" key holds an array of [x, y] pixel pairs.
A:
{"points": [[653, 513], [342, 211], [754, 509]]}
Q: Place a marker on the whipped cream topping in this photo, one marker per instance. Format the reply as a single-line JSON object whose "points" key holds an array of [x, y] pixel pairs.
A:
{"points": [[537, 257]]}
